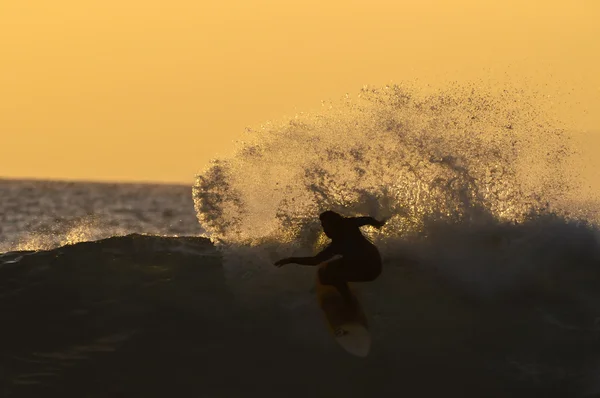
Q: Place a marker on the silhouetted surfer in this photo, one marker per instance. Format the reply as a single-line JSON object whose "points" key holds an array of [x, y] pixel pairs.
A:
{"points": [[360, 261]]}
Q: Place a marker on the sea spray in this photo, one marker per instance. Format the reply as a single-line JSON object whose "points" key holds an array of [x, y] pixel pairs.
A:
{"points": [[461, 159]]}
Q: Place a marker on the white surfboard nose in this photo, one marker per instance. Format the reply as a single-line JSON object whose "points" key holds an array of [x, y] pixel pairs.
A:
{"points": [[354, 338]]}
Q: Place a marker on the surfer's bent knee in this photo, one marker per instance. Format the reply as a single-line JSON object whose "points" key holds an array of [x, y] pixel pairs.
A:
{"points": [[327, 275], [338, 271]]}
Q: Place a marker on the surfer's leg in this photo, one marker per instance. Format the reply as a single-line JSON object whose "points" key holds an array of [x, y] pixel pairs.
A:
{"points": [[333, 274], [344, 290], [349, 271]]}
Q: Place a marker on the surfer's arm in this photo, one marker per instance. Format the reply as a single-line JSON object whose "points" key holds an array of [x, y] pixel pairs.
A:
{"points": [[324, 255], [360, 221]]}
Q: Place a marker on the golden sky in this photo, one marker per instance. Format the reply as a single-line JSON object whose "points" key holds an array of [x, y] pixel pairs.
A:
{"points": [[152, 90]]}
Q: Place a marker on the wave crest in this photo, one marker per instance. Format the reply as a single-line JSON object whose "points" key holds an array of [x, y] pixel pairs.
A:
{"points": [[458, 155]]}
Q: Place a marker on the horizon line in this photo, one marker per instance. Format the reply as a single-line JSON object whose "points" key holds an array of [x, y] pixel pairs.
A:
{"points": [[92, 181]]}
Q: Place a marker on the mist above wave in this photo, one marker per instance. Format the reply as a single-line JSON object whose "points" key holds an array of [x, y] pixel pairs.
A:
{"points": [[460, 156]]}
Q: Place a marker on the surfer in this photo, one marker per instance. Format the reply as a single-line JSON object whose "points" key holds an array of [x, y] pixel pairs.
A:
{"points": [[360, 261]]}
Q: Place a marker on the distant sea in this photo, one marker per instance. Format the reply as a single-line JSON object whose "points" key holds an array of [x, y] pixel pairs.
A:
{"points": [[47, 214]]}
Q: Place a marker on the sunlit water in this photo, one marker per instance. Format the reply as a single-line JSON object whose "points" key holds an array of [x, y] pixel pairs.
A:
{"points": [[45, 214]]}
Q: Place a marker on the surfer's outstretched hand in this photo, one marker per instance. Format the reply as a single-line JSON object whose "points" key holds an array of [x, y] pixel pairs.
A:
{"points": [[283, 262]]}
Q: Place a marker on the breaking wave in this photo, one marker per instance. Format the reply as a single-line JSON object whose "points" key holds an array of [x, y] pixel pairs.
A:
{"points": [[488, 167]]}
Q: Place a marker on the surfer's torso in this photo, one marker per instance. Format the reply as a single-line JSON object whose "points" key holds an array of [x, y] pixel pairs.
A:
{"points": [[354, 247]]}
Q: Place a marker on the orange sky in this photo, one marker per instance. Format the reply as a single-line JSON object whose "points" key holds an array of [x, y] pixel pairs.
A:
{"points": [[149, 90]]}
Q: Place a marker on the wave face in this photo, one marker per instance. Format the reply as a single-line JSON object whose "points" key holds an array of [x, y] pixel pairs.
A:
{"points": [[153, 316]]}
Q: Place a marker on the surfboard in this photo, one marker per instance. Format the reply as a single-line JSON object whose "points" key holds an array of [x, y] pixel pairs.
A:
{"points": [[349, 328]]}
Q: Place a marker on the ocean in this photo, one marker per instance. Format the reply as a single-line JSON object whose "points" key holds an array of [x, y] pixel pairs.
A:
{"points": [[491, 271], [47, 214]]}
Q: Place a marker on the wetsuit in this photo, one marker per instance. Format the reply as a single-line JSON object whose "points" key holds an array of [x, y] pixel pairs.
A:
{"points": [[360, 262]]}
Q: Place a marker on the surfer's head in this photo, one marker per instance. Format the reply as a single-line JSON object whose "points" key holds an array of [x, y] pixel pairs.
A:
{"points": [[332, 223]]}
